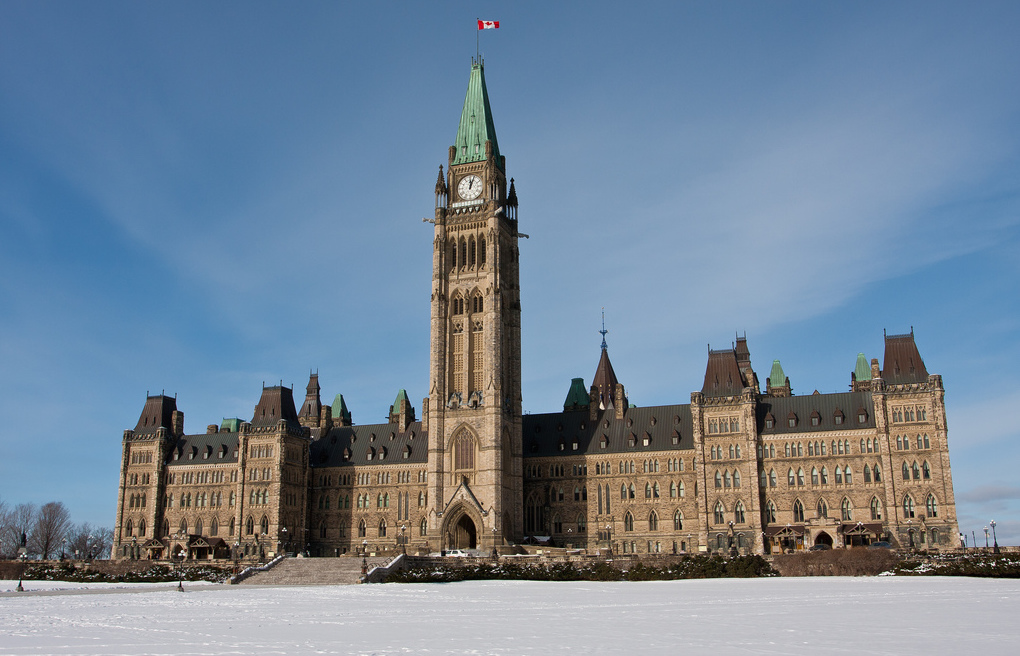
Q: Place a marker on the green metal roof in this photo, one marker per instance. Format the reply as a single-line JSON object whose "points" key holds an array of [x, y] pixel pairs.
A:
{"points": [[340, 410], [233, 425], [777, 378], [863, 370], [576, 397], [476, 125], [401, 396]]}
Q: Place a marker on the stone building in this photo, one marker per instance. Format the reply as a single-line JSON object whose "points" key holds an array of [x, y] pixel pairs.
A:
{"points": [[735, 469]]}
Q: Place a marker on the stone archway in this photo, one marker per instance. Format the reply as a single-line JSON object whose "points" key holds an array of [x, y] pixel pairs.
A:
{"points": [[823, 538], [463, 534]]}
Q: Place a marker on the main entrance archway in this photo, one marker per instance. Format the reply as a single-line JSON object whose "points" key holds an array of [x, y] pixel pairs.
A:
{"points": [[463, 534], [823, 538]]}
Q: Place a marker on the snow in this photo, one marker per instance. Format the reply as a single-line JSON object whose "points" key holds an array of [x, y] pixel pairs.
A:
{"points": [[901, 615]]}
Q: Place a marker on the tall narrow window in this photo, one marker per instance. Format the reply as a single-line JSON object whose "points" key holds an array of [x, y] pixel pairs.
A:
{"points": [[876, 508], [798, 511], [846, 510]]}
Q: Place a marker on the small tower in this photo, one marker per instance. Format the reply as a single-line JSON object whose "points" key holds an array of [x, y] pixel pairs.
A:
{"points": [[311, 411], [860, 377], [778, 384]]}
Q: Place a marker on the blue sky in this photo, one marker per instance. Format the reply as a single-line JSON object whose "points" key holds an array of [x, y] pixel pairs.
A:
{"points": [[199, 197]]}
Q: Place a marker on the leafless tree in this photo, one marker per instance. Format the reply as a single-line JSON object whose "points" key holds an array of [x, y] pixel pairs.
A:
{"points": [[20, 520], [88, 541], [51, 526], [5, 521]]}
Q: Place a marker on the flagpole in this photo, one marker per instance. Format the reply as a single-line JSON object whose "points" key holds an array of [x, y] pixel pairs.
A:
{"points": [[477, 55]]}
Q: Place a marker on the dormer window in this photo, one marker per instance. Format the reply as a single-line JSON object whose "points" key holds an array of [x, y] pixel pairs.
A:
{"points": [[816, 419], [604, 442], [791, 419], [837, 418], [862, 416]]}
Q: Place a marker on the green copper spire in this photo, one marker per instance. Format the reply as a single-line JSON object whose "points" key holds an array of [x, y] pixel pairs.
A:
{"points": [[401, 396], [777, 378], [476, 125], [577, 397], [340, 411], [862, 371]]}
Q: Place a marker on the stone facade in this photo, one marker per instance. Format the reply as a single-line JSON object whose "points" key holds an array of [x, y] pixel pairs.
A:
{"points": [[734, 470]]}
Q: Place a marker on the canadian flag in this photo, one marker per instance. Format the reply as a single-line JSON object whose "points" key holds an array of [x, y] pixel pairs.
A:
{"points": [[488, 25]]}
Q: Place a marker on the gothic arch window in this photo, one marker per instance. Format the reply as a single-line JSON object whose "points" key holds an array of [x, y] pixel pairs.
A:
{"points": [[926, 470], [362, 529], [906, 471], [166, 527], [471, 252], [823, 508], [198, 526], [718, 479], [607, 500], [876, 508], [878, 473], [848, 475], [800, 477], [129, 529], [653, 521], [463, 252], [648, 490], [322, 530], [582, 524], [839, 475], [790, 478], [916, 471], [184, 526], [932, 506], [628, 522], [770, 513], [867, 474], [738, 513], [453, 255], [773, 479], [264, 525], [798, 511], [231, 527], [908, 506], [481, 251], [825, 475], [846, 510], [814, 476], [672, 490], [678, 520], [736, 479], [382, 528], [533, 515], [249, 526], [630, 491], [623, 491], [720, 513], [423, 528], [463, 451]]}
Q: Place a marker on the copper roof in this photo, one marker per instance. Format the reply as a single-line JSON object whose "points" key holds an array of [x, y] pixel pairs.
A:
{"points": [[157, 413]]}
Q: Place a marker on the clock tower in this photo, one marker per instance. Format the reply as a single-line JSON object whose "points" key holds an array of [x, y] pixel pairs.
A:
{"points": [[474, 410]]}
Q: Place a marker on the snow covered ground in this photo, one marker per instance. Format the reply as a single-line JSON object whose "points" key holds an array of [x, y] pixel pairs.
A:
{"points": [[894, 615]]}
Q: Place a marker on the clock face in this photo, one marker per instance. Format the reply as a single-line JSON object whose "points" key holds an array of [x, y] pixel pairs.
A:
{"points": [[469, 187]]}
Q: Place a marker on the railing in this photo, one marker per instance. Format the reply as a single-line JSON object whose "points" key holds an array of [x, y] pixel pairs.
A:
{"points": [[379, 573], [252, 571]]}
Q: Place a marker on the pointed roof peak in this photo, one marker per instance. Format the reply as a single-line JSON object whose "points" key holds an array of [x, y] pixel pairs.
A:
{"points": [[862, 371], [605, 380], [777, 375], [476, 125]]}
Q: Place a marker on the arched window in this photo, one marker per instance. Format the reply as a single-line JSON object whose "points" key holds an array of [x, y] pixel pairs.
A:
{"points": [[382, 528], [672, 490], [773, 479], [463, 252], [453, 256], [727, 481], [481, 251], [533, 518], [790, 478], [798, 511], [471, 252], [770, 513], [720, 513], [718, 480], [906, 471], [927, 444], [648, 490], [623, 490], [825, 475], [839, 475], [231, 526], [877, 473], [926, 470], [908, 506], [876, 508], [655, 491], [141, 529], [736, 478], [423, 528], [932, 506], [678, 521], [738, 513], [582, 524], [630, 491], [362, 529], [846, 510], [464, 451], [916, 471], [814, 476], [867, 474], [198, 526], [800, 476], [628, 522], [823, 508], [848, 475], [129, 528], [653, 521], [184, 526]]}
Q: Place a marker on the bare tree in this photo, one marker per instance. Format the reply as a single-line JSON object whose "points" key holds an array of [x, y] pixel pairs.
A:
{"points": [[51, 526], [86, 541], [20, 520], [5, 522], [103, 542]]}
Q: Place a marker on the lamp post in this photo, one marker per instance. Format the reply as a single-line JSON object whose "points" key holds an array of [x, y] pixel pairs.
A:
{"points": [[63, 548], [237, 549], [403, 540], [495, 552], [995, 540], [364, 557], [609, 540], [283, 532], [986, 538], [963, 541], [180, 571], [23, 556]]}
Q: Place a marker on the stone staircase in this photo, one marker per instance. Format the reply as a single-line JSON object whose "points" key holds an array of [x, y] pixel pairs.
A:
{"points": [[342, 570]]}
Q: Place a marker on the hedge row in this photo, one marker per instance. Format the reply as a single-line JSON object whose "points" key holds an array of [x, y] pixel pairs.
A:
{"points": [[1000, 566], [696, 567], [154, 574]]}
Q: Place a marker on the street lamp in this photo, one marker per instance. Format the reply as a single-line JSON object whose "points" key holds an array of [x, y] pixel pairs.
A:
{"points": [[134, 548], [364, 557], [180, 571], [995, 540], [609, 540], [237, 550], [495, 551], [283, 531], [986, 538], [403, 540], [23, 556]]}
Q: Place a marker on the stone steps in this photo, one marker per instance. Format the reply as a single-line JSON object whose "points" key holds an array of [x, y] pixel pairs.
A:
{"points": [[343, 570]]}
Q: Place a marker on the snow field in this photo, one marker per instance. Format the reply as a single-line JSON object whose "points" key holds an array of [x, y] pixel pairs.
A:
{"points": [[896, 615]]}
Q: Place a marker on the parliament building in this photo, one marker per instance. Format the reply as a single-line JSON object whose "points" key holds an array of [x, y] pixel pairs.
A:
{"points": [[737, 469]]}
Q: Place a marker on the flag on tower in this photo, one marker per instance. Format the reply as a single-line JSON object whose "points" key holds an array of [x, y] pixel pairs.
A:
{"points": [[488, 25]]}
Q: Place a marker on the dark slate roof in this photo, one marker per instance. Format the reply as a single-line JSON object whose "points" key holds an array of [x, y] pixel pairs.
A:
{"points": [[329, 450], [543, 434], [605, 380], [157, 413], [277, 403], [826, 405], [205, 449], [722, 374], [902, 363]]}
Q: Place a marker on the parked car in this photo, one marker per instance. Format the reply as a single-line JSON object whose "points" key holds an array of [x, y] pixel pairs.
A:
{"points": [[880, 545]]}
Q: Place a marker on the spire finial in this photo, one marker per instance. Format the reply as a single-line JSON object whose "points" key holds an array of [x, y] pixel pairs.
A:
{"points": [[604, 331]]}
